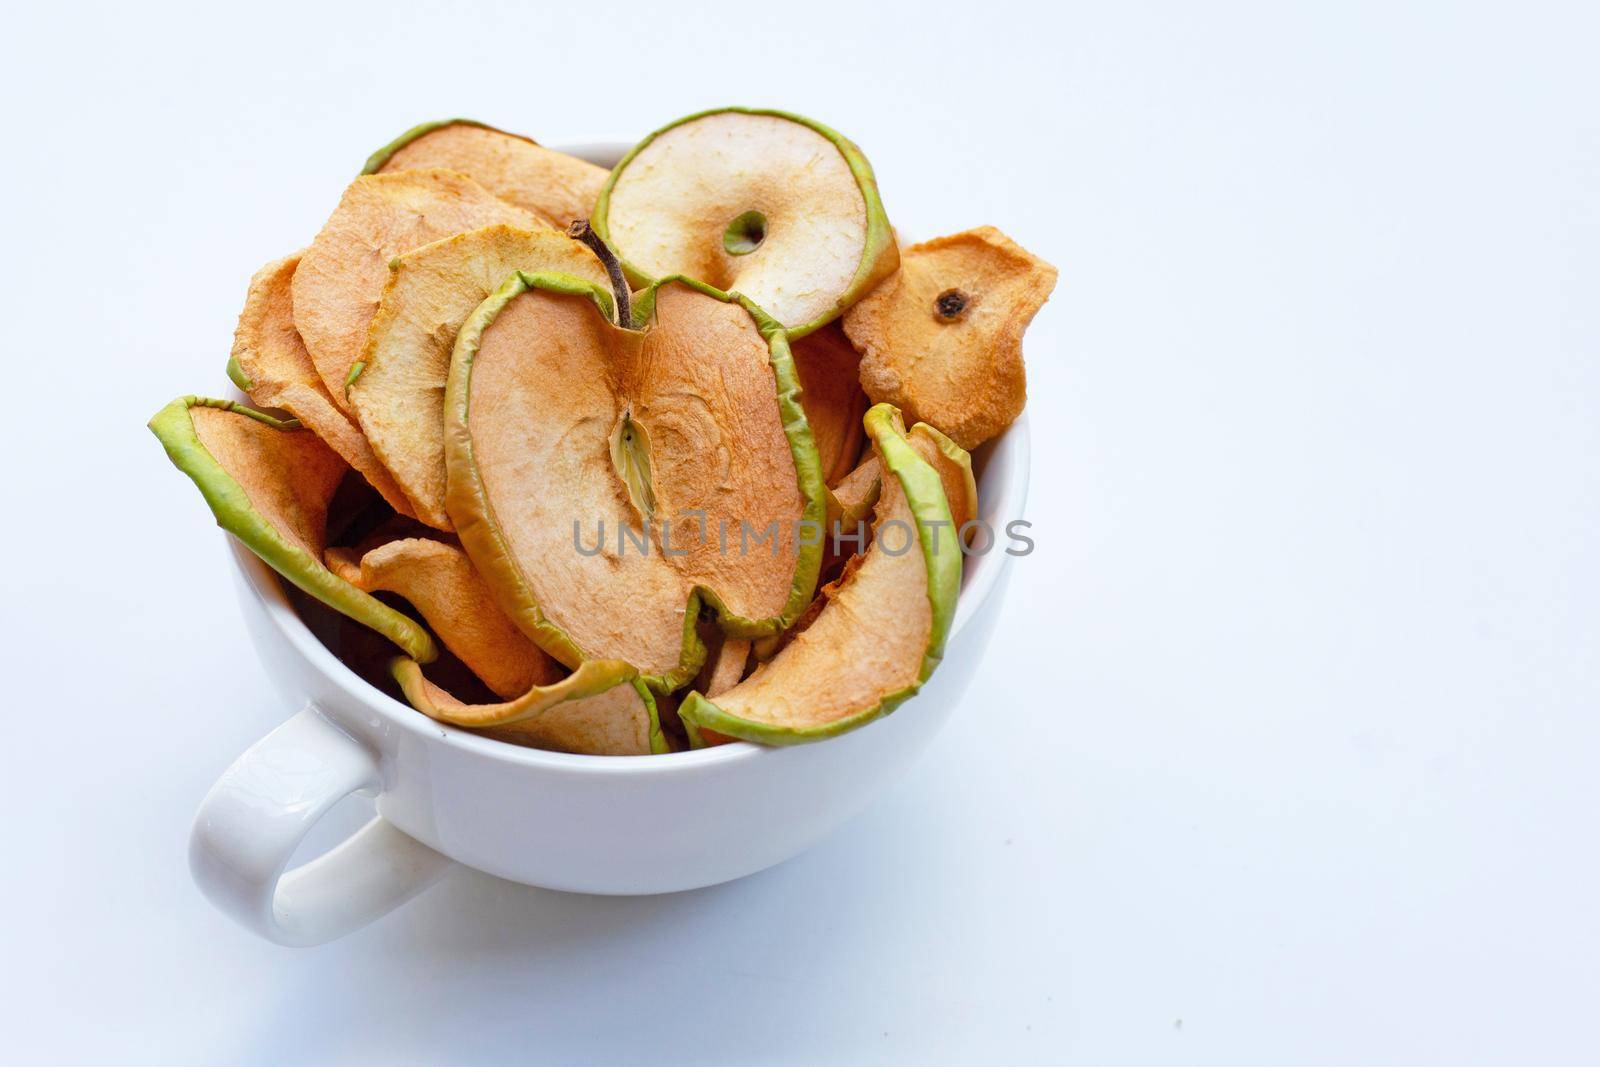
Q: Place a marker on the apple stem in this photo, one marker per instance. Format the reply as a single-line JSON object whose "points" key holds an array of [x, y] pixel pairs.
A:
{"points": [[580, 230]]}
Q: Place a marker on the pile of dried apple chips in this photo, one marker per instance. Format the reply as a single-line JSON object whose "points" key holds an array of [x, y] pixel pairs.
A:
{"points": [[624, 450]]}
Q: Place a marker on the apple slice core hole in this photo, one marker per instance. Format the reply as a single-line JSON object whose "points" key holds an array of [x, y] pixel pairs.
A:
{"points": [[745, 233], [951, 305]]}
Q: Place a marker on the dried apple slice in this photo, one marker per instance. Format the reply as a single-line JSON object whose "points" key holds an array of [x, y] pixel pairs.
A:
{"points": [[668, 442], [852, 497], [855, 494], [439, 582], [399, 393], [723, 670], [767, 647], [881, 632], [552, 185], [601, 709], [954, 465], [774, 206], [270, 362], [942, 339], [341, 276], [726, 658], [830, 392], [725, 666], [268, 483], [850, 505]]}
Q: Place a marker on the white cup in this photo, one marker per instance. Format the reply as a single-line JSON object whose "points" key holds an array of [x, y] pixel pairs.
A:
{"points": [[590, 824]]}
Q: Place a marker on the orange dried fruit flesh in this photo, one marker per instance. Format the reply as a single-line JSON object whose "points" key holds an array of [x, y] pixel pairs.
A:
{"points": [[853, 495], [438, 580], [430, 292], [269, 483], [340, 278], [609, 480], [851, 500], [954, 466], [830, 392], [552, 185], [942, 338], [270, 363], [600, 709], [724, 667], [879, 634]]}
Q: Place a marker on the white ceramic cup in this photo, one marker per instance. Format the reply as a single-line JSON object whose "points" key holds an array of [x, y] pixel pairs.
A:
{"points": [[591, 824]]}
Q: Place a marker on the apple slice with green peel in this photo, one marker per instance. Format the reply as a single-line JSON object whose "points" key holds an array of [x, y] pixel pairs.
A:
{"points": [[341, 276], [851, 500], [552, 185], [270, 363], [880, 634], [609, 480], [268, 483], [774, 206], [438, 580], [830, 391], [850, 507], [726, 659], [399, 393], [600, 709], [239, 378], [954, 465], [942, 339]]}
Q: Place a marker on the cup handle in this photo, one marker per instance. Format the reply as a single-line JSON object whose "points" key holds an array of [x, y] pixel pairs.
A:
{"points": [[261, 808]]}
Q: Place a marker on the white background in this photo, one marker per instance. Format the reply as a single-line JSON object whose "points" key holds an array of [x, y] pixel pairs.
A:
{"points": [[1286, 752]]}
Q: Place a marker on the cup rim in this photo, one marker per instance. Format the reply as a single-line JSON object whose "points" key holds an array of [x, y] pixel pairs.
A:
{"points": [[267, 590]]}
